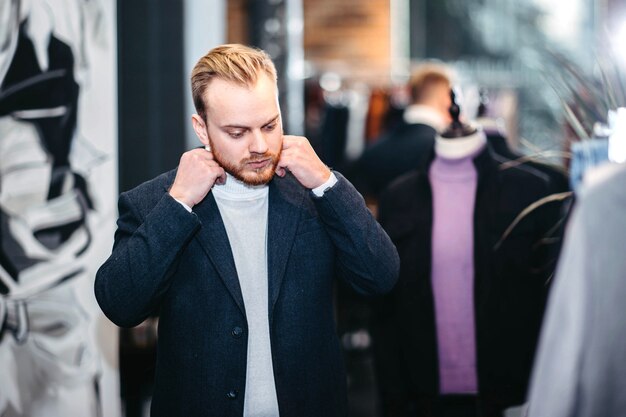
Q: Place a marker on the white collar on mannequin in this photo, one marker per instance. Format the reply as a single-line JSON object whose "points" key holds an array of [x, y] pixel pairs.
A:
{"points": [[458, 148]]}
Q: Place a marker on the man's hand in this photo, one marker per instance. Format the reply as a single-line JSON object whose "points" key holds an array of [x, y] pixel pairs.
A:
{"points": [[197, 172], [299, 157]]}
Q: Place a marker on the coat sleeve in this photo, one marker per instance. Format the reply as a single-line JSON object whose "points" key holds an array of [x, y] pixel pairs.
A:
{"points": [[366, 257], [132, 281]]}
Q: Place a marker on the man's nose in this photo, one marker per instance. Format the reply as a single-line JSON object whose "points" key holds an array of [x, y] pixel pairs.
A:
{"points": [[259, 142]]}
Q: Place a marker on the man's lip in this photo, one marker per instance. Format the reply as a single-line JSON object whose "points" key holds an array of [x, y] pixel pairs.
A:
{"points": [[258, 164]]}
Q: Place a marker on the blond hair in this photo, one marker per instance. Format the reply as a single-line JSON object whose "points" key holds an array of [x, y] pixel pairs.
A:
{"points": [[425, 77], [235, 63]]}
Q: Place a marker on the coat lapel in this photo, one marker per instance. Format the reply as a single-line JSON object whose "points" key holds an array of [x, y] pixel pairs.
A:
{"points": [[285, 207], [213, 238]]}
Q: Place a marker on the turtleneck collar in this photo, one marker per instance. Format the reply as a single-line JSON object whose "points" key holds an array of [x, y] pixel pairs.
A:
{"points": [[233, 189], [419, 113], [460, 148]]}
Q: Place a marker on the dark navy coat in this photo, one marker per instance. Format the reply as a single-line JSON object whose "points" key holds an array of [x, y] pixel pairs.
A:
{"points": [[178, 265]]}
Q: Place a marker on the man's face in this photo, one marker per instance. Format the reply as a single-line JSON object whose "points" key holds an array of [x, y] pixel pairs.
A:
{"points": [[244, 128]]}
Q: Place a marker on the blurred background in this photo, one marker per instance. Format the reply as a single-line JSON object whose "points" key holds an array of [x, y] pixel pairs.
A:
{"points": [[531, 63]]}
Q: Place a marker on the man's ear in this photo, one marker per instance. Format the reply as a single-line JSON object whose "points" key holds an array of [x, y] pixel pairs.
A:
{"points": [[200, 128]]}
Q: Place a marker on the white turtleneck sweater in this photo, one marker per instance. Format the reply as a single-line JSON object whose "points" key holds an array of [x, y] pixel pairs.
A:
{"points": [[426, 115], [244, 211]]}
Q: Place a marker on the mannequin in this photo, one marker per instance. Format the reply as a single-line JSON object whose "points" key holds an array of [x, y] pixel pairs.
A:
{"points": [[453, 181], [458, 333]]}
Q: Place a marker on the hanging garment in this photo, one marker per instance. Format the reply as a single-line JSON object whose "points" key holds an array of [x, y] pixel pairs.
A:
{"points": [[334, 134], [581, 360]]}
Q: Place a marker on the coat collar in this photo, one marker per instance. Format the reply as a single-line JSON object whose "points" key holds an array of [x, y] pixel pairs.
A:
{"points": [[285, 208], [213, 238]]}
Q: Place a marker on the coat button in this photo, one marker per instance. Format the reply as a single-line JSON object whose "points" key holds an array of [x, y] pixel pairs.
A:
{"points": [[232, 394], [237, 332]]}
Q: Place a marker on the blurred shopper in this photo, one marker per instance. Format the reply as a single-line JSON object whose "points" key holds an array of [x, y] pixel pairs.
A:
{"points": [[581, 361], [401, 150], [237, 250]]}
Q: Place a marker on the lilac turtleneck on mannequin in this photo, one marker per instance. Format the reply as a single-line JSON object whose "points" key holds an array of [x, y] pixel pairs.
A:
{"points": [[454, 183]]}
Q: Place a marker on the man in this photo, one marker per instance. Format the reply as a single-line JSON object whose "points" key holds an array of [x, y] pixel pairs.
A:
{"points": [[239, 263], [402, 149]]}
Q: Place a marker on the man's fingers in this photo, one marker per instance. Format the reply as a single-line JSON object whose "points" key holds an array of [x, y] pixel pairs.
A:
{"points": [[291, 141], [221, 178], [293, 158], [285, 159], [280, 171]]}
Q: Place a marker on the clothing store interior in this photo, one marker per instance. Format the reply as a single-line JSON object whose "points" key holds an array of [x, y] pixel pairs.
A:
{"points": [[507, 114]]}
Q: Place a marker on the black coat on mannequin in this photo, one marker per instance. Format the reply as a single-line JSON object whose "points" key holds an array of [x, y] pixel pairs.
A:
{"points": [[510, 286]]}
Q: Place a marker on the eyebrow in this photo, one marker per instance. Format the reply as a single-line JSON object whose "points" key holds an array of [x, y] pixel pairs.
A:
{"points": [[234, 126]]}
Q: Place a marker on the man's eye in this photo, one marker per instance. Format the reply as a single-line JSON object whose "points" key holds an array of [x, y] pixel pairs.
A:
{"points": [[270, 127], [235, 135]]}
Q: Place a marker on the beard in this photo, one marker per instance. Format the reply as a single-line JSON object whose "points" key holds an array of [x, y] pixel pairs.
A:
{"points": [[245, 173]]}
